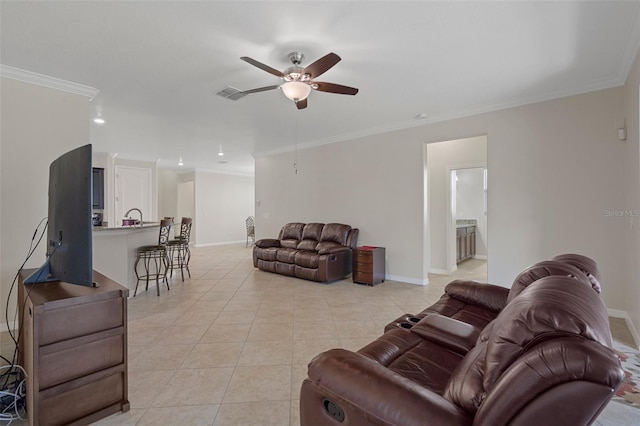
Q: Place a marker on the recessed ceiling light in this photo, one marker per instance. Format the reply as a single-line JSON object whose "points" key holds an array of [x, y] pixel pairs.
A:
{"points": [[220, 153], [180, 163], [98, 120]]}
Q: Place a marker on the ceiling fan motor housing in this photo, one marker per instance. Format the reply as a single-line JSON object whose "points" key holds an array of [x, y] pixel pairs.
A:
{"points": [[296, 58]]}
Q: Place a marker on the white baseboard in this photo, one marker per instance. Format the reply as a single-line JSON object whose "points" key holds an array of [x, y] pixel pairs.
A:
{"points": [[407, 280], [3, 326], [617, 313], [480, 256], [219, 244], [439, 271]]}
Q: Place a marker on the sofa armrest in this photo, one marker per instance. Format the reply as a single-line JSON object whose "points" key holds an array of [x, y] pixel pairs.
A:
{"points": [[334, 263], [267, 242], [369, 393], [489, 296], [447, 332], [337, 250]]}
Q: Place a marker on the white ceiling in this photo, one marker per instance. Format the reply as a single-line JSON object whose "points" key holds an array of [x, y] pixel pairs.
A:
{"points": [[158, 66]]}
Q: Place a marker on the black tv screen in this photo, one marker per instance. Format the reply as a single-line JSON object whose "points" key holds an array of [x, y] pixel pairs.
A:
{"points": [[69, 235]]}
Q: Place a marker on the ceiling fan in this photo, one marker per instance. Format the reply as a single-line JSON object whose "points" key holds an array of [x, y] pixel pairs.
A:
{"points": [[298, 81]]}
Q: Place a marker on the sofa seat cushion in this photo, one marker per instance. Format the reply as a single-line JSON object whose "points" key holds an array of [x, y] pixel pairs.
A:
{"points": [[309, 245], [419, 360], [268, 254], [307, 259], [325, 247], [290, 243], [286, 255]]}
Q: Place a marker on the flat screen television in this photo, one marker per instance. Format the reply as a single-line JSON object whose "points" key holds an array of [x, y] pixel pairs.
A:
{"points": [[69, 233]]}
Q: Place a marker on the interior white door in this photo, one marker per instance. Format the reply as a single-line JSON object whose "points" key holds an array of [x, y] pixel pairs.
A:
{"points": [[134, 187]]}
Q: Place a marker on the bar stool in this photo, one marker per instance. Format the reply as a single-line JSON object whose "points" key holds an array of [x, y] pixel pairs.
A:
{"points": [[156, 254], [251, 230], [179, 252]]}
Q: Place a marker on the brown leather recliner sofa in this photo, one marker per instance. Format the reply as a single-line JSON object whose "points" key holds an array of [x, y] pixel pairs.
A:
{"points": [[544, 359], [479, 303], [312, 251]]}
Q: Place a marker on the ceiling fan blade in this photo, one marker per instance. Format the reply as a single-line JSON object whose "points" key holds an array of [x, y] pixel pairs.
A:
{"points": [[302, 104], [260, 89], [262, 66], [322, 65], [334, 88]]}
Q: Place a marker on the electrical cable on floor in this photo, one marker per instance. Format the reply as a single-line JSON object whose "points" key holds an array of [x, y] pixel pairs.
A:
{"points": [[13, 397], [13, 378]]}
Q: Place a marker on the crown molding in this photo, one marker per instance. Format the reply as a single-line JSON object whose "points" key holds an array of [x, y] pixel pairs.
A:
{"points": [[47, 81], [499, 105]]}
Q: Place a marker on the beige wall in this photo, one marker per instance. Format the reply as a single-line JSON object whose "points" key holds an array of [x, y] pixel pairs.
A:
{"points": [[631, 288], [223, 202], [373, 183], [554, 168], [38, 125], [168, 194]]}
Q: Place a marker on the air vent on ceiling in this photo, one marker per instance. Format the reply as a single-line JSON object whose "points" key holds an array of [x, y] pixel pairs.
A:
{"points": [[231, 93]]}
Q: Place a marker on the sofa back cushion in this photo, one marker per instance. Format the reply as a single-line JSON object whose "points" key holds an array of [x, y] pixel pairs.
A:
{"points": [[585, 264], [310, 236], [336, 233], [291, 234], [543, 269], [552, 307]]}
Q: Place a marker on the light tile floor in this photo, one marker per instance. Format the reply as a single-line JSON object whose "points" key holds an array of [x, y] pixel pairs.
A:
{"points": [[230, 345]]}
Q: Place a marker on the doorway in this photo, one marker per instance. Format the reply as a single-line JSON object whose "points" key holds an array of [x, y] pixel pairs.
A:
{"points": [[468, 197], [443, 161]]}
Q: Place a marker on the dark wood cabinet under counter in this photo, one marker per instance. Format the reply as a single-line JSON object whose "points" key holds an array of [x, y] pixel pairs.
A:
{"points": [[368, 265], [465, 242]]}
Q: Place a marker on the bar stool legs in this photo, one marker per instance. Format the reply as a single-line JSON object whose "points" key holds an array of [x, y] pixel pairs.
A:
{"points": [[158, 254], [158, 272], [179, 252]]}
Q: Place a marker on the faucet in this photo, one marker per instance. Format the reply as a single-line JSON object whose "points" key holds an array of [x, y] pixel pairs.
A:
{"points": [[138, 210]]}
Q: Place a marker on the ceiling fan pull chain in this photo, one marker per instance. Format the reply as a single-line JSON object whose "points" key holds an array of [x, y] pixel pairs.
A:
{"points": [[295, 146]]}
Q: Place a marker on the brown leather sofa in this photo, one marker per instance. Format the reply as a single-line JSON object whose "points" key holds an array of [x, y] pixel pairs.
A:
{"points": [[545, 359], [312, 251], [479, 303]]}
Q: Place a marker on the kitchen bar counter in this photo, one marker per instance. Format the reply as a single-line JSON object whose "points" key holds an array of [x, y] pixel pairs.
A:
{"points": [[126, 228], [114, 250]]}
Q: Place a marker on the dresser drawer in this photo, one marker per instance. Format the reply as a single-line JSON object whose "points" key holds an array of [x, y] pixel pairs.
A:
{"points": [[75, 358], [362, 256], [365, 277], [62, 324], [369, 265]]}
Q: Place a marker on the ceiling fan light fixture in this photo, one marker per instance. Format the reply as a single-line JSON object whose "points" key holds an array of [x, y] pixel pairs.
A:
{"points": [[296, 90]]}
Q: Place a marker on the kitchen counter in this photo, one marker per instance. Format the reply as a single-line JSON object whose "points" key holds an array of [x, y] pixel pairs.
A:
{"points": [[464, 223], [145, 225], [114, 250]]}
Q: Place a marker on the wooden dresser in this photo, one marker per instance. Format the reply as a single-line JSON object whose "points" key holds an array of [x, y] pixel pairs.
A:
{"points": [[368, 265], [73, 346]]}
